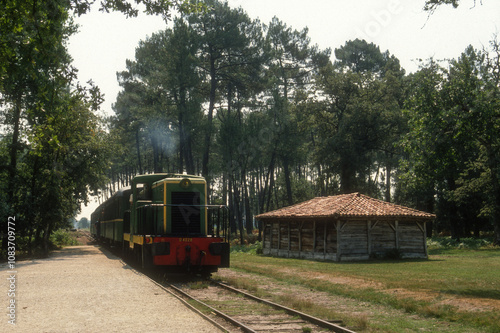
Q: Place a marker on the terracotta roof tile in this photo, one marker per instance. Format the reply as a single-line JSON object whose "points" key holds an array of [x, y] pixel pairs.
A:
{"points": [[345, 206]]}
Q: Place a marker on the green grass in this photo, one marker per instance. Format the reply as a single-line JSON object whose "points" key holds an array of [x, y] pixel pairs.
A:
{"points": [[198, 285], [451, 271]]}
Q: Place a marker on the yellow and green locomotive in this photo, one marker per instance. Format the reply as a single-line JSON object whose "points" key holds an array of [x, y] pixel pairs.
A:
{"points": [[164, 220]]}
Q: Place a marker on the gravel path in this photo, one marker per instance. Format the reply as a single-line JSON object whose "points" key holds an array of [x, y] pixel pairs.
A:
{"points": [[86, 289]]}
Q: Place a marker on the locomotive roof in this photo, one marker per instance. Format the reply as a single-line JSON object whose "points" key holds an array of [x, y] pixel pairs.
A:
{"points": [[160, 176], [150, 178]]}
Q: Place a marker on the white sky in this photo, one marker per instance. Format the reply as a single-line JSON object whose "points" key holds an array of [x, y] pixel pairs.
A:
{"points": [[105, 41]]}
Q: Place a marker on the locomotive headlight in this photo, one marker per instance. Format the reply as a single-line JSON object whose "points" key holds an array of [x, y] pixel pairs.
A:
{"points": [[185, 183]]}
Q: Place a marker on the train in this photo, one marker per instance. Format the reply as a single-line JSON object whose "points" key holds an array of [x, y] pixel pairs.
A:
{"points": [[163, 221]]}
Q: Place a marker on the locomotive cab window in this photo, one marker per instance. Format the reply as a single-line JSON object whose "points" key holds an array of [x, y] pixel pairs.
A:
{"points": [[144, 192]]}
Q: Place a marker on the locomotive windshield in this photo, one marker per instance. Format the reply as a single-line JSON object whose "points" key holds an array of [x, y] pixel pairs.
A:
{"points": [[143, 192]]}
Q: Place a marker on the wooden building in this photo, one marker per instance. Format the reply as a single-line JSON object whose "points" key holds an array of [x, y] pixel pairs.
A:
{"points": [[345, 227]]}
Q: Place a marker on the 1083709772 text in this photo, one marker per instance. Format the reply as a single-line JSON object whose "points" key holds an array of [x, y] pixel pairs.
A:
{"points": [[11, 273]]}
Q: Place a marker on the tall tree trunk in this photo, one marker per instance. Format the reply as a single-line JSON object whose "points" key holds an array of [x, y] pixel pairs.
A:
{"points": [[185, 150], [388, 171], [346, 177], [47, 231], [495, 181], [237, 208], [29, 215], [138, 149], [232, 221], [271, 187], [248, 212], [455, 222], [288, 181], [188, 151], [270, 182], [260, 195], [180, 167], [38, 233], [13, 163], [156, 154], [208, 133], [14, 147]]}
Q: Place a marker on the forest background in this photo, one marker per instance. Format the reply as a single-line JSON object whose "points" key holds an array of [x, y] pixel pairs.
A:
{"points": [[266, 116]]}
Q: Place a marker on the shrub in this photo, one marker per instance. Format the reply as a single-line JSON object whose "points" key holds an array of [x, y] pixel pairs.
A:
{"points": [[255, 248], [62, 237], [436, 243]]}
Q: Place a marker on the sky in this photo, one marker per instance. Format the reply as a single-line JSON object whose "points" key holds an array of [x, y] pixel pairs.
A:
{"points": [[106, 40]]}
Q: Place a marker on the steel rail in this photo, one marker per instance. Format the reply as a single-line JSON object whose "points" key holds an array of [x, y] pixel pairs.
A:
{"points": [[221, 314], [204, 316], [244, 328], [305, 316]]}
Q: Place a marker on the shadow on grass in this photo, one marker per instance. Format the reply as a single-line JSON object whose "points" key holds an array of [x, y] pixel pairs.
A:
{"points": [[476, 293], [378, 261]]}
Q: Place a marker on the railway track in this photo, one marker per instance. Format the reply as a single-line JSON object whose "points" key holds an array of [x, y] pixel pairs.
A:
{"points": [[243, 312], [234, 310]]}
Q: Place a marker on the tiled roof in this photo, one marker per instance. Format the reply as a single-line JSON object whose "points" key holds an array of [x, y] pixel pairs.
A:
{"points": [[352, 205]]}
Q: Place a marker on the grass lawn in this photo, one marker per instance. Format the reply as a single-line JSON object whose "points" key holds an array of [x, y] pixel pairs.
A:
{"points": [[455, 290]]}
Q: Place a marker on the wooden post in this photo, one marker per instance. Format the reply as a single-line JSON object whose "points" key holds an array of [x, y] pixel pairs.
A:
{"points": [[425, 239], [264, 235], [314, 237], [289, 239], [339, 229], [369, 236], [270, 236], [396, 225], [324, 240], [395, 229], [423, 228], [279, 236], [300, 236]]}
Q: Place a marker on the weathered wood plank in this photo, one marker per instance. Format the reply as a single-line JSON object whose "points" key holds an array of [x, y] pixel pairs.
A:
{"points": [[344, 240]]}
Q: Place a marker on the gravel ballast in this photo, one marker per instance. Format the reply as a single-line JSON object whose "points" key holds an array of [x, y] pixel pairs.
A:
{"points": [[88, 289]]}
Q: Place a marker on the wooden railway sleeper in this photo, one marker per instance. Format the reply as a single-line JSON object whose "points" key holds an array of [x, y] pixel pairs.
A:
{"points": [[220, 314], [314, 320]]}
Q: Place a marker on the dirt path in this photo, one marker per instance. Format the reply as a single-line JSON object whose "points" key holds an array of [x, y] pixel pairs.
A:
{"points": [[84, 289]]}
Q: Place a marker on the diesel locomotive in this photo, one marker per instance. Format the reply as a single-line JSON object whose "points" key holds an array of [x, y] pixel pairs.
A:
{"points": [[163, 220]]}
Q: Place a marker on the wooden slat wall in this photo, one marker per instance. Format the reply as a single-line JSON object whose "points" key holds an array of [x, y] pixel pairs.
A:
{"points": [[274, 236], [294, 236], [319, 245], [383, 237], [354, 241], [266, 238], [331, 238], [411, 239], [358, 239], [307, 236]]}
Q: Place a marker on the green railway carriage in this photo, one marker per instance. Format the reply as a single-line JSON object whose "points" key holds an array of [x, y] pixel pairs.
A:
{"points": [[164, 220], [107, 219]]}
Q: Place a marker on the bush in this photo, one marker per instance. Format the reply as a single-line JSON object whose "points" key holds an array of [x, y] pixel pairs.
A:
{"points": [[255, 248], [469, 243], [62, 237]]}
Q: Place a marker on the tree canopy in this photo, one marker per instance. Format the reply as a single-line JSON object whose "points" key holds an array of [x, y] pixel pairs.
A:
{"points": [[54, 147], [432, 5], [269, 118], [272, 120]]}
